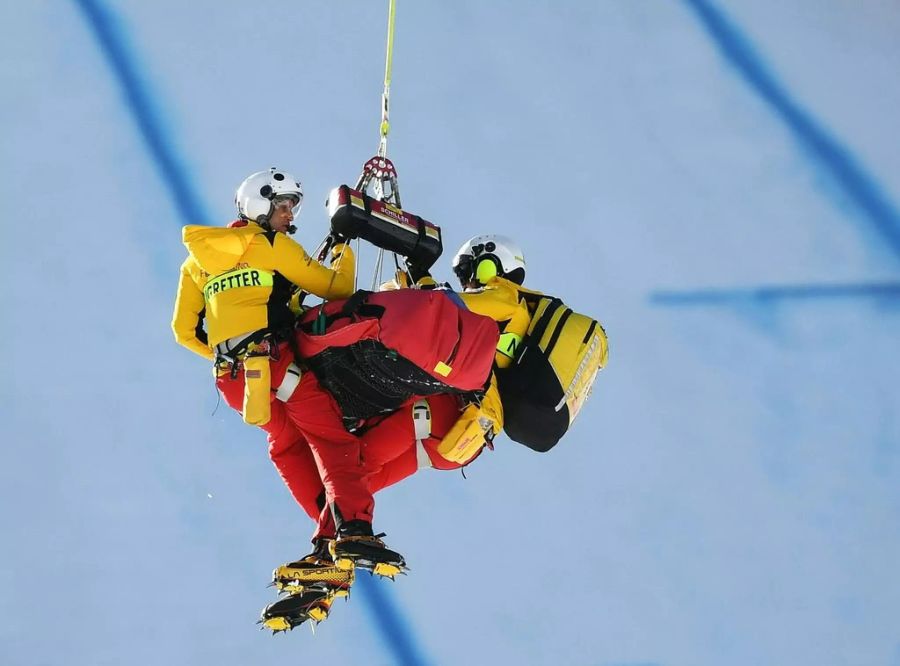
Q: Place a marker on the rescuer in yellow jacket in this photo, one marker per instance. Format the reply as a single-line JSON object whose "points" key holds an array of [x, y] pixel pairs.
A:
{"points": [[544, 382], [240, 279], [491, 270]]}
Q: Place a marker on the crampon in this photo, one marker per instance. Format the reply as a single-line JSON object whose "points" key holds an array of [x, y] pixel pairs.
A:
{"points": [[368, 553], [294, 610]]}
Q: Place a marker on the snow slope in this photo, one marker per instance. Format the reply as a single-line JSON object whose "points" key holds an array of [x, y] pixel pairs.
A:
{"points": [[730, 494]]}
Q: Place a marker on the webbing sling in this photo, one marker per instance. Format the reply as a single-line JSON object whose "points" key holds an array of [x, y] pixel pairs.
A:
{"points": [[541, 327], [355, 305]]}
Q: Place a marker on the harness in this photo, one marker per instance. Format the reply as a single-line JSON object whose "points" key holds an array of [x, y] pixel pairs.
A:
{"points": [[232, 353]]}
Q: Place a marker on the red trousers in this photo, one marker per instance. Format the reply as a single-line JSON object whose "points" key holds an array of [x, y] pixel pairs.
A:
{"points": [[332, 473], [389, 451]]}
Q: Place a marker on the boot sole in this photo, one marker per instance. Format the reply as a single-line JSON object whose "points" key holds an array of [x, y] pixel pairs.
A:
{"points": [[291, 612], [378, 568]]}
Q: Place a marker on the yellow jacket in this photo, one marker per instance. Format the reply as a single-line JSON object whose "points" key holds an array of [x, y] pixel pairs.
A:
{"points": [[502, 301], [241, 280]]}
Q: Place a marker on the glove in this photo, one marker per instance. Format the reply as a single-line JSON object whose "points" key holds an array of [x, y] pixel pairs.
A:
{"points": [[400, 281], [335, 238], [345, 230], [337, 251], [336, 244], [416, 272]]}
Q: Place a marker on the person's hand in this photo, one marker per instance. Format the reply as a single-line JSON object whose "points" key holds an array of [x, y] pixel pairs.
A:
{"points": [[335, 238], [347, 229], [337, 243], [417, 273]]}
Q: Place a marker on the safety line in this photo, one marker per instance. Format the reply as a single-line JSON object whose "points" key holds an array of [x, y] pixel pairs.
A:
{"points": [[775, 293], [390, 44], [861, 187], [386, 92], [109, 36], [396, 630]]}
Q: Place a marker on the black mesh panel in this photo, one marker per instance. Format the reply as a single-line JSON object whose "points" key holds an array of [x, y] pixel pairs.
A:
{"points": [[367, 379]]}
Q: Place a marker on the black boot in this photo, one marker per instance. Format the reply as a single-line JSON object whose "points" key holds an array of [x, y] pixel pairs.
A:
{"points": [[357, 546], [292, 611], [314, 571]]}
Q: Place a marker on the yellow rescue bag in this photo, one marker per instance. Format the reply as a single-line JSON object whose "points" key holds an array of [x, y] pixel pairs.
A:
{"points": [[257, 390], [475, 427], [545, 388]]}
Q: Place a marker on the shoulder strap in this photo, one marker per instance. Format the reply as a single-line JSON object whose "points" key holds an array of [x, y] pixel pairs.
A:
{"points": [[529, 296], [541, 326], [354, 303]]}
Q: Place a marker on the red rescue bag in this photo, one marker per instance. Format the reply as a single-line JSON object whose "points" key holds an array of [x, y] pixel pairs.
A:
{"points": [[376, 350]]}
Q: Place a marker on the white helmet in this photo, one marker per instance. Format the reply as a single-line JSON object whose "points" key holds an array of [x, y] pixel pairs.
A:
{"points": [[482, 257], [255, 195]]}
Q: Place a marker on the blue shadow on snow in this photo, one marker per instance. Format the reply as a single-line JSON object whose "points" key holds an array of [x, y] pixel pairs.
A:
{"points": [[860, 187], [395, 631], [884, 291], [138, 99]]}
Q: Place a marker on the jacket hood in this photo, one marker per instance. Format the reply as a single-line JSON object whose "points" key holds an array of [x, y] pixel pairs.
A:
{"points": [[218, 249]]}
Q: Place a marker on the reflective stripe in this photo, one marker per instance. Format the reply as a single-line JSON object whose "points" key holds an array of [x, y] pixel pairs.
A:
{"points": [[241, 277], [509, 344], [289, 383]]}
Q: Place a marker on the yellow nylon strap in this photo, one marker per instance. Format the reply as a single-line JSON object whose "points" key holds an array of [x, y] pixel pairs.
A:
{"points": [[385, 96], [390, 45]]}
